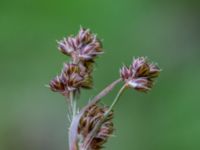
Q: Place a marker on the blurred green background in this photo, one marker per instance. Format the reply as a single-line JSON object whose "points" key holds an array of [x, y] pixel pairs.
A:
{"points": [[168, 32]]}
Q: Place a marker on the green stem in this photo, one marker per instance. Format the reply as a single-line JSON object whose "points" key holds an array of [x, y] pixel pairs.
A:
{"points": [[119, 94]]}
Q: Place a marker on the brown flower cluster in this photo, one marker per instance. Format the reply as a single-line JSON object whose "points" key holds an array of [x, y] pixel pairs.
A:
{"points": [[91, 127], [72, 78], [91, 117], [83, 49], [140, 74]]}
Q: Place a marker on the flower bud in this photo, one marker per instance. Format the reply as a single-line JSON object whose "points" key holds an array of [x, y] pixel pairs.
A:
{"points": [[140, 67], [67, 46], [56, 85], [125, 73], [140, 84], [154, 71]]}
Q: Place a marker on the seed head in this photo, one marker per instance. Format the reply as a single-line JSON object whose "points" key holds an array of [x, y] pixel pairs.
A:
{"points": [[140, 75], [87, 123], [72, 78], [83, 47]]}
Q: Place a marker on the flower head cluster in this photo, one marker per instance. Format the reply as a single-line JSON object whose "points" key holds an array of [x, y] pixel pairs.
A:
{"points": [[72, 78], [83, 49], [140, 74], [91, 127], [87, 123]]}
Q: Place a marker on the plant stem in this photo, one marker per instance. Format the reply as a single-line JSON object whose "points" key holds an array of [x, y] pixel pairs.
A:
{"points": [[71, 106], [119, 94]]}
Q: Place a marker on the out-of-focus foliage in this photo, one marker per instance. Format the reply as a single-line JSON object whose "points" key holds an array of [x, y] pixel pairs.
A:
{"points": [[168, 32]]}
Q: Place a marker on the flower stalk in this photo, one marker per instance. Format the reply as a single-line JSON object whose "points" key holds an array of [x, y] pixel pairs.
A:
{"points": [[119, 94]]}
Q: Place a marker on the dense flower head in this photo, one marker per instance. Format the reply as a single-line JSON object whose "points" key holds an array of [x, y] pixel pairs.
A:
{"points": [[87, 123], [140, 74], [83, 47], [72, 78]]}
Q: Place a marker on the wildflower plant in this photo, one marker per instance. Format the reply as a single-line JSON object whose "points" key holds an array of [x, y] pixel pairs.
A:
{"points": [[91, 126]]}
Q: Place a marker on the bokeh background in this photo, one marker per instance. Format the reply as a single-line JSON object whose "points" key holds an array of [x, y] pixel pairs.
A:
{"points": [[168, 32]]}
